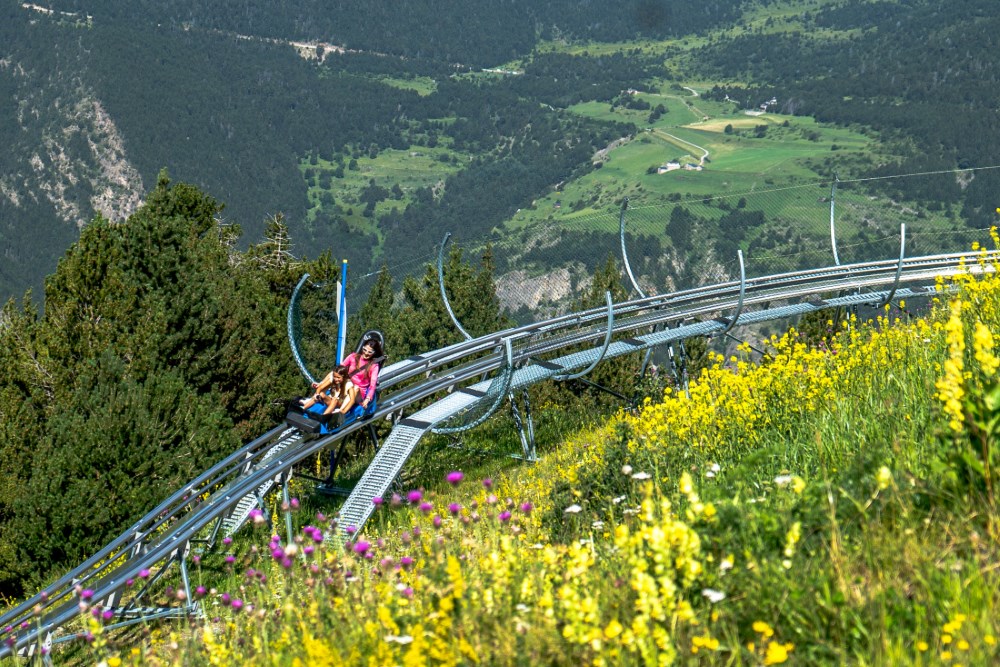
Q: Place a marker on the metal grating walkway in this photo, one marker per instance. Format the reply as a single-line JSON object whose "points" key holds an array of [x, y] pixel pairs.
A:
{"points": [[241, 511]]}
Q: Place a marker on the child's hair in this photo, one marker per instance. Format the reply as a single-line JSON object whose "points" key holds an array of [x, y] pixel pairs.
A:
{"points": [[343, 372]]}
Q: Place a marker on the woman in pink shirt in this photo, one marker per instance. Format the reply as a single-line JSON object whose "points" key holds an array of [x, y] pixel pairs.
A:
{"points": [[363, 368]]}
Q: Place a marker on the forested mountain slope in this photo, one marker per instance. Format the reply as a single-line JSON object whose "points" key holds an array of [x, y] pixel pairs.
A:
{"points": [[478, 33], [283, 107]]}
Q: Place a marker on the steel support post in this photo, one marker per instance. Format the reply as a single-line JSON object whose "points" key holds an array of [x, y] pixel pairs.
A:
{"points": [[527, 434], [286, 505]]}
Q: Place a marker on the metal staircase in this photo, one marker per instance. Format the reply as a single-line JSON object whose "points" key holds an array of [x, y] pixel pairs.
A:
{"points": [[396, 450]]}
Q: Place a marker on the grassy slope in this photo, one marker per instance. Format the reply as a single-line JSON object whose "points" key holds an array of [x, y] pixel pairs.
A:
{"points": [[822, 508]]}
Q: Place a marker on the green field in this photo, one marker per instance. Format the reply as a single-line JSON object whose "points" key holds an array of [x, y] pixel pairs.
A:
{"points": [[411, 170], [739, 162]]}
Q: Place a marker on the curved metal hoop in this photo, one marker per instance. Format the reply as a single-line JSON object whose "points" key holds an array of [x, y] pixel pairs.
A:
{"points": [[444, 295], [292, 342], [899, 267], [628, 267], [833, 224], [739, 304], [508, 373], [604, 350]]}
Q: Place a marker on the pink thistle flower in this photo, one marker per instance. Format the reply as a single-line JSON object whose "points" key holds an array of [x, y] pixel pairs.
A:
{"points": [[144, 573], [426, 507], [527, 507], [396, 500], [504, 516], [414, 497], [455, 477], [350, 530], [437, 521], [225, 598], [377, 501], [227, 541], [236, 604], [491, 499], [362, 547], [488, 483], [406, 561], [107, 615], [454, 508], [230, 560], [86, 594]]}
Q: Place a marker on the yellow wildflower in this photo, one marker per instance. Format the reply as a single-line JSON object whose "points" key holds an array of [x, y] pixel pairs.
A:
{"points": [[982, 342], [777, 653], [883, 478], [950, 387]]}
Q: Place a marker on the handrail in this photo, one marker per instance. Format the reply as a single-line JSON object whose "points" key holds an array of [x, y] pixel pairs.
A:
{"points": [[833, 222], [604, 349], [628, 267], [899, 267], [444, 294], [507, 373], [743, 291], [291, 334]]}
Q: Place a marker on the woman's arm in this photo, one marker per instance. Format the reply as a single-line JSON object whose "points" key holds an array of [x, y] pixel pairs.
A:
{"points": [[372, 381]]}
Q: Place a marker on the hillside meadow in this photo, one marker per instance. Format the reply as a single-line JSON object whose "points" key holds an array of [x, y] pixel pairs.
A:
{"points": [[832, 502]]}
